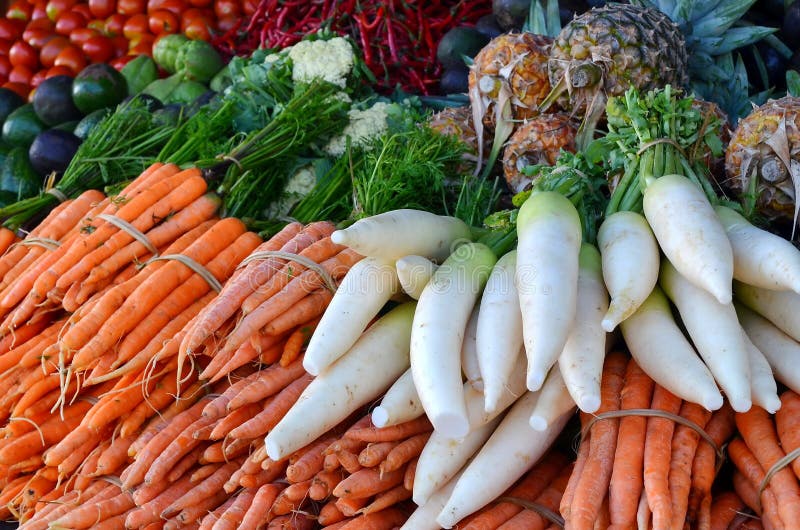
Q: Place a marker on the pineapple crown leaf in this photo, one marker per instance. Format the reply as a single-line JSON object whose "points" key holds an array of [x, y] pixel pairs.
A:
{"points": [[721, 18], [793, 83], [736, 37], [543, 21]]}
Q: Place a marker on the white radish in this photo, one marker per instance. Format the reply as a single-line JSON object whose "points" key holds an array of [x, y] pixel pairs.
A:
{"points": [[469, 351], [438, 333], [404, 232], [760, 258], [400, 404], [630, 264], [715, 331], [762, 381], [414, 273], [581, 361], [443, 456], [374, 362], [424, 517], [364, 290], [549, 234], [781, 351], [554, 401], [690, 234], [662, 351], [782, 308], [499, 333], [510, 452]]}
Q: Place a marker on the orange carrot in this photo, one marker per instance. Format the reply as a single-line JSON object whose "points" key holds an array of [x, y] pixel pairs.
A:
{"points": [[296, 289], [194, 513], [593, 484], [684, 445], [758, 431], [375, 453], [295, 521], [549, 498], [367, 482], [784, 418], [266, 353], [382, 520], [303, 312], [310, 463], [266, 383], [323, 484], [751, 470], [724, 509], [258, 511], [657, 457], [404, 452], [297, 340], [401, 431], [386, 499], [329, 514], [205, 489], [87, 515], [277, 407], [349, 506], [232, 517], [179, 447], [626, 485]]}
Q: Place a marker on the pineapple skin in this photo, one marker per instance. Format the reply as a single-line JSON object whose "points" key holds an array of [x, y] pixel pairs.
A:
{"points": [[635, 46], [538, 141], [748, 151]]}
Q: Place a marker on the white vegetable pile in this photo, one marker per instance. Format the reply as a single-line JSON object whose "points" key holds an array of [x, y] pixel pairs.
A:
{"points": [[476, 352]]}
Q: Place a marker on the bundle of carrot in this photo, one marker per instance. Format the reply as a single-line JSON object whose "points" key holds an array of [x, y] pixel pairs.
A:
{"points": [[765, 458], [646, 458]]}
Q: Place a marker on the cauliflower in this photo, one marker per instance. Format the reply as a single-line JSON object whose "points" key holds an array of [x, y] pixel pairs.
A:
{"points": [[364, 125], [299, 185], [331, 60]]}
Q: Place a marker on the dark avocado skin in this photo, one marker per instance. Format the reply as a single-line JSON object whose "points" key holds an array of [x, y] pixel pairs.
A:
{"points": [[53, 150], [53, 101]]}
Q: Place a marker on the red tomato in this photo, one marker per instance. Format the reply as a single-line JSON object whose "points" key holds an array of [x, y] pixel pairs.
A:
{"points": [[39, 10], [227, 8], [102, 8], [163, 21], [69, 21], [200, 3], [39, 37], [20, 88], [38, 77], [228, 23], [5, 47], [197, 29], [58, 70], [114, 24], [56, 8], [120, 45], [72, 58], [19, 9], [84, 10], [5, 67], [81, 35], [120, 62], [20, 74], [98, 49], [173, 6], [11, 29], [131, 7], [141, 46], [135, 26], [249, 7], [98, 25], [49, 52], [23, 54]]}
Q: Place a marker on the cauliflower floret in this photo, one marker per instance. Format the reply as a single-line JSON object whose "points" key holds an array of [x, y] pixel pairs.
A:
{"points": [[364, 125], [299, 185], [331, 60]]}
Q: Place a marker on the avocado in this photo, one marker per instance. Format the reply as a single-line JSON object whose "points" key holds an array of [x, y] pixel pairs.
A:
{"points": [[98, 86], [457, 43], [487, 25], [17, 176], [511, 14], [85, 126], [53, 101], [52, 150], [22, 126], [9, 101], [454, 80]]}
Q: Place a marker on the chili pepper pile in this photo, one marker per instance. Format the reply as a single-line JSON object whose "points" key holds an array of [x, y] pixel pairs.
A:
{"points": [[398, 37]]}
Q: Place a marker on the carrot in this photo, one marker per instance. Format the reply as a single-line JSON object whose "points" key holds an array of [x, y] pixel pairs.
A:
{"points": [[296, 289], [549, 498], [626, 484], [382, 520], [267, 353], [291, 498], [724, 509], [88, 515], [410, 474], [135, 473], [329, 514], [114, 456], [758, 431], [209, 487], [401, 431], [217, 407], [323, 484], [684, 444], [746, 491], [194, 513], [160, 396], [179, 447], [404, 452], [788, 435], [657, 457], [750, 468], [720, 427], [310, 463], [349, 506], [304, 311], [296, 341], [266, 383], [368, 481], [375, 453], [295, 521], [282, 271], [596, 474], [79, 456], [272, 413], [234, 293], [259, 478], [256, 515], [386, 499]]}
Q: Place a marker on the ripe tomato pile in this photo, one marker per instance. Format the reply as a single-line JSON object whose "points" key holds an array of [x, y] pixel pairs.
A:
{"points": [[43, 38]]}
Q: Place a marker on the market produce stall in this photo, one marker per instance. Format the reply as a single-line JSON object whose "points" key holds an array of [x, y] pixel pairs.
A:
{"points": [[367, 265]]}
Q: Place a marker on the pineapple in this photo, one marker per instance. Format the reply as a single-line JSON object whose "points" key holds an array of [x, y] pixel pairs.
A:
{"points": [[456, 121], [539, 141], [605, 51], [762, 161]]}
